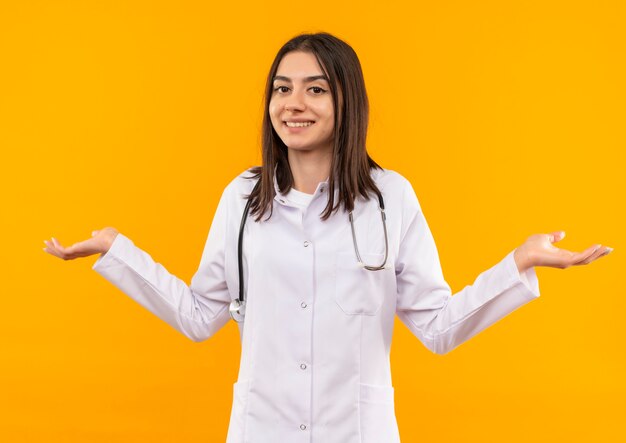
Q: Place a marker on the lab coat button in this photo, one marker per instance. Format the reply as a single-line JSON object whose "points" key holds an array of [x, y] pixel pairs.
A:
{"points": [[306, 243], [303, 427], [302, 366], [303, 304]]}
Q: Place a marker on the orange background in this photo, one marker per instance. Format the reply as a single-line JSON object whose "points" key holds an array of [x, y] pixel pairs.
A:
{"points": [[507, 117]]}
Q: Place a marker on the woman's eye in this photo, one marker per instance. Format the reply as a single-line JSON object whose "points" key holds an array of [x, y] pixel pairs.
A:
{"points": [[316, 89]]}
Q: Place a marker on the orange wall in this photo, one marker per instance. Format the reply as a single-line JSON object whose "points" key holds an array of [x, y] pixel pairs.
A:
{"points": [[507, 117]]}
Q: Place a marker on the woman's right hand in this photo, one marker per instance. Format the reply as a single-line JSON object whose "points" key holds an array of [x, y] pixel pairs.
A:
{"points": [[99, 243]]}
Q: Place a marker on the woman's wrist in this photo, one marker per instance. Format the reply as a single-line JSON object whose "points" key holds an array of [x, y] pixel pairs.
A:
{"points": [[108, 241], [522, 259]]}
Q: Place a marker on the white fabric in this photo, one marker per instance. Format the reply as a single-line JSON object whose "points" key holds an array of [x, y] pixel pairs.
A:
{"points": [[299, 198], [315, 346]]}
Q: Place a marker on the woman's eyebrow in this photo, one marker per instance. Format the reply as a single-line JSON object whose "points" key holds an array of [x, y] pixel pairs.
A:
{"points": [[310, 78]]}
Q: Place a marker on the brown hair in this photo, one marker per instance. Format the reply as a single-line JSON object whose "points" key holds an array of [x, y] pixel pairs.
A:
{"points": [[350, 164]]}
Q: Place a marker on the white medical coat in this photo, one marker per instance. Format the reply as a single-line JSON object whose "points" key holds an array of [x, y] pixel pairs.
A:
{"points": [[317, 333]]}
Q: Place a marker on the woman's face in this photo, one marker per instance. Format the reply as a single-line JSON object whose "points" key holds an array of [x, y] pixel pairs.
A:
{"points": [[301, 106]]}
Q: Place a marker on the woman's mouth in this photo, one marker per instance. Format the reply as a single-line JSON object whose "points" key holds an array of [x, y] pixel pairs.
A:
{"points": [[298, 124]]}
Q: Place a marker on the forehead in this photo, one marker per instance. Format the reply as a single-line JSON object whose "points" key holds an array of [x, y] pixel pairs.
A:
{"points": [[298, 65]]}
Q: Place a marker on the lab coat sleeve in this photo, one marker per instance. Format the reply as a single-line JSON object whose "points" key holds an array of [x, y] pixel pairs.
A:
{"points": [[198, 310], [424, 300]]}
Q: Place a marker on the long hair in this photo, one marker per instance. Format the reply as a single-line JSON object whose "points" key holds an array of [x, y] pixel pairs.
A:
{"points": [[350, 164]]}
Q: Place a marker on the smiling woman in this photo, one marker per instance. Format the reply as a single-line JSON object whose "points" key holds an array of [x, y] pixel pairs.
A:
{"points": [[319, 317], [301, 106], [307, 82]]}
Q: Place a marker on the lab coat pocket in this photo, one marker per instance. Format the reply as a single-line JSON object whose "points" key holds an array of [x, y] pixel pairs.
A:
{"points": [[377, 414], [358, 290], [237, 425]]}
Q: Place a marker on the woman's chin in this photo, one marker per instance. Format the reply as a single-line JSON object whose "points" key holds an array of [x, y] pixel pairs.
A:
{"points": [[300, 147], [308, 147]]}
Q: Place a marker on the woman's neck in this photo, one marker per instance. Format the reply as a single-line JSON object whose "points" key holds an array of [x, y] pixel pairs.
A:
{"points": [[309, 168]]}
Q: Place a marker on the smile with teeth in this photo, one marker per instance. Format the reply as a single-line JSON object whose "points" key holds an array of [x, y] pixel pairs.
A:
{"points": [[298, 124]]}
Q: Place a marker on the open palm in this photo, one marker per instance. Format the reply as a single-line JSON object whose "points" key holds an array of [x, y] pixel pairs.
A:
{"points": [[100, 242], [540, 251]]}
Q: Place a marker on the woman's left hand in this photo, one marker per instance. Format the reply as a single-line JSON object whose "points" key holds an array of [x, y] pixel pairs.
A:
{"points": [[538, 250]]}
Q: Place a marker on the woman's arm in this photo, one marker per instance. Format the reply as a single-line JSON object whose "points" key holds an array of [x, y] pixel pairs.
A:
{"points": [[442, 321], [425, 302], [198, 310]]}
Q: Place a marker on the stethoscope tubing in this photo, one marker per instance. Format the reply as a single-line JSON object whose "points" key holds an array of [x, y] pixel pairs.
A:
{"points": [[237, 306]]}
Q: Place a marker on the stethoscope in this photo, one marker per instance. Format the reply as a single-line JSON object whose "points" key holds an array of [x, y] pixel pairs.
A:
{"points": [[238, 305]]}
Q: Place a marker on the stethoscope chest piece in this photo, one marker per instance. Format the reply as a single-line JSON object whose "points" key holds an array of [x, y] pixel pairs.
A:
{"points": [[237, 310]]}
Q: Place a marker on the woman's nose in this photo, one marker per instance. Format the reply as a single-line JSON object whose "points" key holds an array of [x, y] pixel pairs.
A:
{"points": [[294, 107], [295, 102]]}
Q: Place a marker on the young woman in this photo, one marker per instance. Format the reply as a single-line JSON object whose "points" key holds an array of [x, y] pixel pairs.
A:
{"points": [[332, 248]]}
